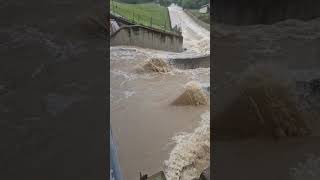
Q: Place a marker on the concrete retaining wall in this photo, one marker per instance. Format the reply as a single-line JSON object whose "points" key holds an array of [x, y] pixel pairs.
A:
{"points": [[147, 38], [191, 63]]}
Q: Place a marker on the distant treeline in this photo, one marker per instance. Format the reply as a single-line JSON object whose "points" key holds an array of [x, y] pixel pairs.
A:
{"points": [[161, 2], [189, 4], [135, 1]]}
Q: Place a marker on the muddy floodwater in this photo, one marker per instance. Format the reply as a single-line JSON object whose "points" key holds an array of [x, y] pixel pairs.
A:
{"points": [[152, 134]]}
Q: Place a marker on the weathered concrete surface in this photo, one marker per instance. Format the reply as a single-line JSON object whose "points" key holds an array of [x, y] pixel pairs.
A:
{"points": [[147, 38], [245, 12], [191, 63]]}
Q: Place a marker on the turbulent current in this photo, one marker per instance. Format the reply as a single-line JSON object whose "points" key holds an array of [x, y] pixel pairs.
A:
{"points": [[151, 131]]}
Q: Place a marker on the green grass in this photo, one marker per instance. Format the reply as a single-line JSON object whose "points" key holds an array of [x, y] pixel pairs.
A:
{"points": [[142, 13], [203, 17]]}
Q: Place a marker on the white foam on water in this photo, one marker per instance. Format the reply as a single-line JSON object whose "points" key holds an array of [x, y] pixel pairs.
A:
{"points": [[195, 38], [125, 75], [201, 75], [128, 93], [204, 46], [191, 155], [131, 76]]}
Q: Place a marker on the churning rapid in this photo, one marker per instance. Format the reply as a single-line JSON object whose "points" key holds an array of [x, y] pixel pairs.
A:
{"points": [[160, 114]]}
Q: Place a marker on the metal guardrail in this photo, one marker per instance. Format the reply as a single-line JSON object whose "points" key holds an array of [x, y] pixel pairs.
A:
{"points": [[123, 19], [140, 19]]}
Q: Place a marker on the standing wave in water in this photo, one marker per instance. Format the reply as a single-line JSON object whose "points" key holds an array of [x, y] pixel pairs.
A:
{"points": [[191, 155], [193, 95]]}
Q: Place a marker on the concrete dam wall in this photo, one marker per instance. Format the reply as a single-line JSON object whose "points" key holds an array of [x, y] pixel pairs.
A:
{"points": [[147, 38]]}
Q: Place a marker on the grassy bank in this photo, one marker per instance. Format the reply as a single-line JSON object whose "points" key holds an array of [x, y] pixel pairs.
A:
{"points": [[148, 14], [203, 17]]}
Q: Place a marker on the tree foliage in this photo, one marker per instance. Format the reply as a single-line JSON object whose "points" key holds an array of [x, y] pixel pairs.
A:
{"points": [[135, 1], [192, 4], [161, 2], [165, 2]]}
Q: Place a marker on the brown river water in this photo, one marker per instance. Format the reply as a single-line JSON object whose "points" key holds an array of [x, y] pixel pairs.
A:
{"points": [[152, 134]]}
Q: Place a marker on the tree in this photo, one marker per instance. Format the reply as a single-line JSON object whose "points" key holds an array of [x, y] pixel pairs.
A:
{"points": [[193, 4], [187, 4], [164, 3]]}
